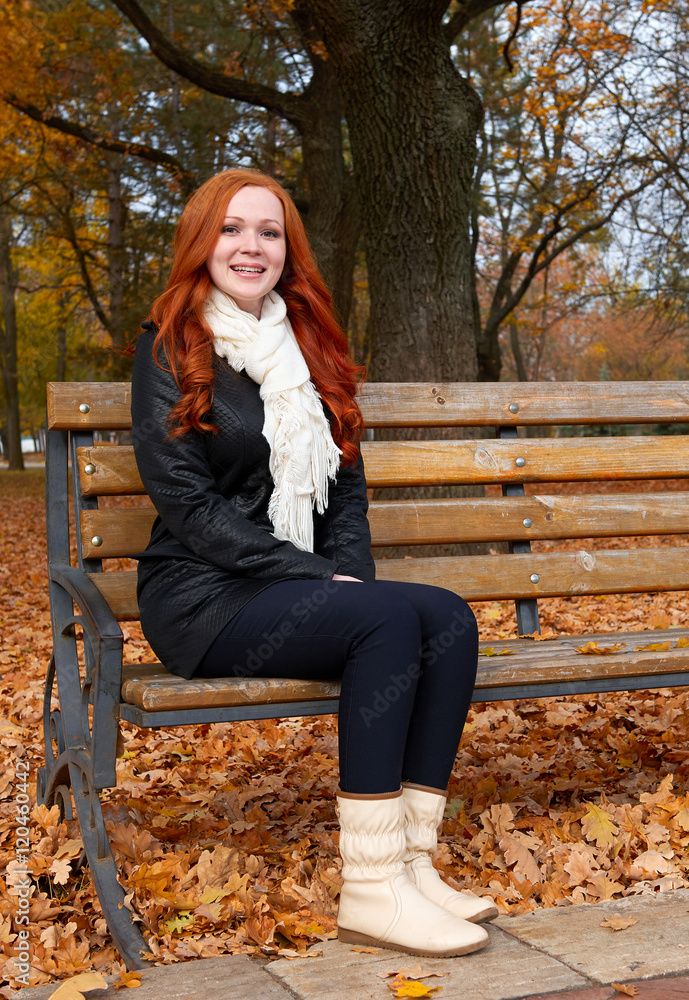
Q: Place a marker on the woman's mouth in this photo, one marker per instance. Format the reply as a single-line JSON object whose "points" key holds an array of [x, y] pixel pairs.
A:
{"points": [[247, 269]]}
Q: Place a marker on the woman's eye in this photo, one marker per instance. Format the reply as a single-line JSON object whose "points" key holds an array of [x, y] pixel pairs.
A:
{"points": [[229, 229], [270, 233]]}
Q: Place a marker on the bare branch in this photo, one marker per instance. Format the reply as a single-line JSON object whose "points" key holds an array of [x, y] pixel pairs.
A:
{"points": [[288, 106], [470, 10], [187, 181]]}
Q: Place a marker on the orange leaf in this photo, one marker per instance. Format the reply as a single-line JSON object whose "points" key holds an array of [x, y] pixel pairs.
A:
{"points": [[410, 988], [592, 648], [682, 643], [630, 991], [657, 646], [492, 651], [131, 979]]}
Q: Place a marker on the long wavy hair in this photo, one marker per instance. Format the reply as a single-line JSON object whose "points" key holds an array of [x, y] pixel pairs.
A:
{"points": [[187, 339]]}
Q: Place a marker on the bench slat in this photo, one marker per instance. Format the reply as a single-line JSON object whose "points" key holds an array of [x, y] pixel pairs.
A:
{"points": [[152, 688], [561, 574], [408, 522], [467, 404], [428, 522], [123, 532], [501, 577], [166, 691], [109, 406], [416, 404], [420, 463]]}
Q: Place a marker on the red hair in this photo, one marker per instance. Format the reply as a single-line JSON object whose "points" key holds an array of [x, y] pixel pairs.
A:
{"points": [[188, 342]]}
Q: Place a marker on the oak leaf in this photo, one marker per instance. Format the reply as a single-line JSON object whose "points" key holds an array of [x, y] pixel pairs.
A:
{"points": [[407, 972], [598, 826], [629, 991], [593, 649], [656, 647], [617, 922], [411, 988], [130, 979], [74, 989], [578, 868], [518, 854]]}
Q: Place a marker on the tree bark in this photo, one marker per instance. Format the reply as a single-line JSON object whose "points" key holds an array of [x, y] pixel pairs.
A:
{"points": [[393, 66], [115, 250], [8, 343]]}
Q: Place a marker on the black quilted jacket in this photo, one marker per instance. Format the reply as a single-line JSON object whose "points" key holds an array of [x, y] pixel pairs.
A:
{"points": [[211, 547]]}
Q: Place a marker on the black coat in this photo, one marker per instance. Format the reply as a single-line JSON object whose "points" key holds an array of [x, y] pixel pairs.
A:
{"points": [[212, 547]]}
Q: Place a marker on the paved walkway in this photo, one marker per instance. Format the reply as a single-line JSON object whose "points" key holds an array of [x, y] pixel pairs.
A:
{"points": [[558, 954]]}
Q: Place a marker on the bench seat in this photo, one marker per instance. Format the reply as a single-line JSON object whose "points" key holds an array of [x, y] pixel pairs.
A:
{"points": [[150, 688]]}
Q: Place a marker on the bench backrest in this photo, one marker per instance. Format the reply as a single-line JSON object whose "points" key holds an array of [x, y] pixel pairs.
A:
{"points": [[76, 410]]}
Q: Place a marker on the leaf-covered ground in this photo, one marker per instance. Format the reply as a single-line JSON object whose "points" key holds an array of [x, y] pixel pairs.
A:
{"points": [[226, 836]]}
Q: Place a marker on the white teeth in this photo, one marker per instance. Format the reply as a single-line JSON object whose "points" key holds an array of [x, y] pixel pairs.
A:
{"points": [[248, 270]]}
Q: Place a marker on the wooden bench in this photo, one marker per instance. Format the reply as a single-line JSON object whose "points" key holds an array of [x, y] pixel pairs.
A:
{"points": [[95, 691]]}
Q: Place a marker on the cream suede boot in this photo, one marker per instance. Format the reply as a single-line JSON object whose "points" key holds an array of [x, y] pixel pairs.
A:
{"points": [[379, 906], [423, 814]]}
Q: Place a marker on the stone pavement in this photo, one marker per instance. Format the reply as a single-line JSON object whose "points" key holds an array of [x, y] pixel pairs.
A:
{"points": [[558, 954]]}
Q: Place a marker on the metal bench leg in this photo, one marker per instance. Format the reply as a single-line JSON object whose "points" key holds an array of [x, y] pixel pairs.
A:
{"points": [[66, 778]]}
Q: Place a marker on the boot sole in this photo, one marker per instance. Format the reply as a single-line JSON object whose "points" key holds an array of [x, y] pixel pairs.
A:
{"points": [[354, 937], [478, 919]]}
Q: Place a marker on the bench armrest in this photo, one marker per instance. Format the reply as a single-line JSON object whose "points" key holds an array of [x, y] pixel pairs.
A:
{"points": [[106, 640], [86, 594]]}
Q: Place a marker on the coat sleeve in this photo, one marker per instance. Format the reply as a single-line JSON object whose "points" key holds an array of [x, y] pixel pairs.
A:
{"points": [[178, 478], [342, 532]]}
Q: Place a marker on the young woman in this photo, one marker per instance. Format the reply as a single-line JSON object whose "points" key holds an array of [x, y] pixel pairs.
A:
{"points": [[246, 432]]}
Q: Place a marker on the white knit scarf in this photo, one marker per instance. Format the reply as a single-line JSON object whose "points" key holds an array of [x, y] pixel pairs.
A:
{"points": [[303, 454]]}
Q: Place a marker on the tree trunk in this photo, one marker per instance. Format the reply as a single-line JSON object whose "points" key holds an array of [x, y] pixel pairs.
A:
{"points": [[115, 253], [414, 184], [332, 220], [61, 345], [8, 343]]}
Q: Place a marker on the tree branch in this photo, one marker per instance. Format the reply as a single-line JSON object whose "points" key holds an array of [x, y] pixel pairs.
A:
{"points": [[470, 10], [540, 259], [187, 181], [287, 106]]}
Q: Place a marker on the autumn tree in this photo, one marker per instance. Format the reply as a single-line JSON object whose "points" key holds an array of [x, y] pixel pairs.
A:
{"points": [[569, 145]]}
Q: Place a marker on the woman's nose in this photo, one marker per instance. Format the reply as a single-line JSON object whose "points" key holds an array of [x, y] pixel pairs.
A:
{"points": [[250, 242]]}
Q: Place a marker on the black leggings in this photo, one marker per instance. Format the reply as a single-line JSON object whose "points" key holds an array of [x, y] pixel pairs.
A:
{"points": [[406, 654]]}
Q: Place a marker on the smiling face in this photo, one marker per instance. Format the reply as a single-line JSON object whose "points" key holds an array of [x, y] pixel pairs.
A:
{"points": [[249, 255]]}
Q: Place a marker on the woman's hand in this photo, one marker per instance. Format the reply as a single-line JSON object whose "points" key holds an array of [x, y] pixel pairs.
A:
{"points": [[353, 579]]}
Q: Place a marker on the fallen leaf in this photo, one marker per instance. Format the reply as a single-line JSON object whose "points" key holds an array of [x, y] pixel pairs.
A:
{"points": [[598, 826], [130, 979], [366, 951], [407, 972], [60, 870], [630, 991], [518, 854], [492, 651], [617, 922], [593, 649], [74, 988], [657, 646], [682, 643], [409, 988]]}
